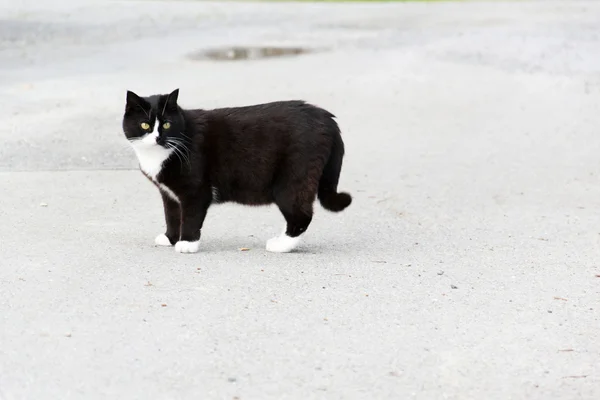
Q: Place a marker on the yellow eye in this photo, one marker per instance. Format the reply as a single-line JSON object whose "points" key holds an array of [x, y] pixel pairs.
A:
{"points": [[145, 126], [166, 125]]}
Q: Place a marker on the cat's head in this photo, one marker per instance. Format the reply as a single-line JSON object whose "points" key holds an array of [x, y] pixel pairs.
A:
{"points": [[153, 121]]}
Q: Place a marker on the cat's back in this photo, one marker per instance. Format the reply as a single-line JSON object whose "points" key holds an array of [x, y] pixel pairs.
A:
{"points": [[266, 131], [290, 111]]}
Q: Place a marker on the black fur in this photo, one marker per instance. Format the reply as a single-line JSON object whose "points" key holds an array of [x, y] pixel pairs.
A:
{"points": [[284, 152]]}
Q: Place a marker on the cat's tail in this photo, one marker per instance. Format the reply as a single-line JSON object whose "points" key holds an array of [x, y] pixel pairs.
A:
{"points": [[328, 196]]}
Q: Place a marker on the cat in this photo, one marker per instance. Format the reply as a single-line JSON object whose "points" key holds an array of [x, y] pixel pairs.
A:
{"points": [[284, 152]]}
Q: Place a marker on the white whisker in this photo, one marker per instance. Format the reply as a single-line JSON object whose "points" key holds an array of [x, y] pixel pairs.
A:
{"points": [[165, 106], [177, 146], [147, 114], [184, 135], [177, 154]]}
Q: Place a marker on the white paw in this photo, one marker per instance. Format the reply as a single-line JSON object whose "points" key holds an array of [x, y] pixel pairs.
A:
{"points": [[282, 244], [162, 240], [183, 246]]}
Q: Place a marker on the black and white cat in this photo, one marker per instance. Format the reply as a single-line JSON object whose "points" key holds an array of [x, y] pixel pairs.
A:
{"points": [[286, 152]]}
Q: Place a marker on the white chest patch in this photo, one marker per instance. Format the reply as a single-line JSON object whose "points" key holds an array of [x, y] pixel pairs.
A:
{"points": [[151, 156]]}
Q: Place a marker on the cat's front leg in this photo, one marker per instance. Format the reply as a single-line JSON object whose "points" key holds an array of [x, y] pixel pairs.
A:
{"points": [[193, 212], [173, 221]]}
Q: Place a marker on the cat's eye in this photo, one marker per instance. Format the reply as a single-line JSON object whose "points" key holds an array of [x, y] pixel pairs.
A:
{"points": [[145, 126], [166, 125]]}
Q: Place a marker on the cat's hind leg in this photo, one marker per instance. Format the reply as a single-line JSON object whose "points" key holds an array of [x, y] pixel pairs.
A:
{"points": [[297, 208]]}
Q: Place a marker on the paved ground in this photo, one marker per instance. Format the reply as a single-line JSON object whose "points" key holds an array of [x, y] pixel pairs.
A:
{"points": [[467, 267]]}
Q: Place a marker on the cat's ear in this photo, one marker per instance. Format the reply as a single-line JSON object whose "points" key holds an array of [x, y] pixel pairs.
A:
{"points": [[172, 98], [134, 101], [133, 98]]}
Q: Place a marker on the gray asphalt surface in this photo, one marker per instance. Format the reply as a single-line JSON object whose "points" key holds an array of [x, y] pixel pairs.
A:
{"points": [[466, 268]]}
